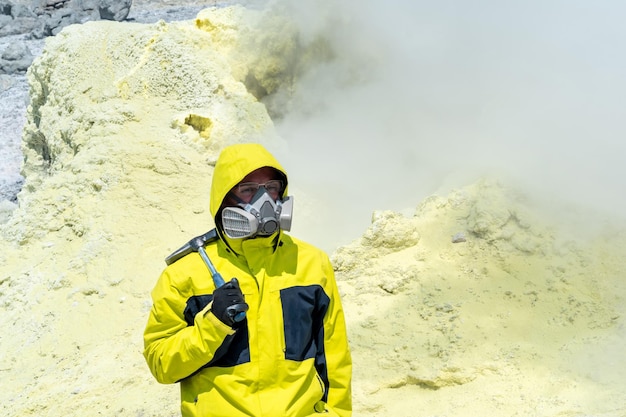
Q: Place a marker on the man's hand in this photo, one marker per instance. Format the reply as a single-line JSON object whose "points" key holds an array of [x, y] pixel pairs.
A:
{"points": [[228, 303]]}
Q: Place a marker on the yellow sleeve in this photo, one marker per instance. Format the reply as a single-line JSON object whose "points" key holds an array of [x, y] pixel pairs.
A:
{"points": [[174, 350]]}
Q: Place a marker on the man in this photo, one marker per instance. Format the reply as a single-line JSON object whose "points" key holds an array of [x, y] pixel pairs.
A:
{"points": [[271, 341]]}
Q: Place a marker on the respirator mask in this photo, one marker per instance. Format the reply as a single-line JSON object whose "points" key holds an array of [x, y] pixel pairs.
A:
{"points": [[262, 216]]}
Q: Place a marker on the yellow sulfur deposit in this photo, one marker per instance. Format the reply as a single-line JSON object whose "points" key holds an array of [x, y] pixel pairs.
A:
{"points": [[472, 305]]}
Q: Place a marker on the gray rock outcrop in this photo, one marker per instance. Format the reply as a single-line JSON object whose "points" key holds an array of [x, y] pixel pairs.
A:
{"points": [[43, 18], [16, 59]]}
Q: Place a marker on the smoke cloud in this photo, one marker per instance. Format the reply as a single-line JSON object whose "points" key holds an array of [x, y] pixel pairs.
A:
{"points": [[422, 97]]}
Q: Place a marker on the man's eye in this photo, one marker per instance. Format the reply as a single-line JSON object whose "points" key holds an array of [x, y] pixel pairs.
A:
{"points": [[247, 190], [273, 188]]}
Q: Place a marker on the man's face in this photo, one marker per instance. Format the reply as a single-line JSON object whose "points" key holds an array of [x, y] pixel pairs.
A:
{"points": [[247, 188]]}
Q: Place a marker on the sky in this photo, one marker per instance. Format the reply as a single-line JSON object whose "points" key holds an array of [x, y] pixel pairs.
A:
{"points": [[423, 97]]}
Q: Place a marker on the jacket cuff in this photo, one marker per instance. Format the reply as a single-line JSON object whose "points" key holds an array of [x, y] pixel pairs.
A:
{"points": [[206, 321]]}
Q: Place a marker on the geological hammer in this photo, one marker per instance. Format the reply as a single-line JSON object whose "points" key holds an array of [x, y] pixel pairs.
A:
{"points": [[236, 312]]}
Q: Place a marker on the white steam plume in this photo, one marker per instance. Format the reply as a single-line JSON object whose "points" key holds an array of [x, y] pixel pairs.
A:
{"points": [[426, 95]]}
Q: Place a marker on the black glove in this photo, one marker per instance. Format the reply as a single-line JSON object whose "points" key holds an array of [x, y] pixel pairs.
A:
{"points": [[228, 303]]}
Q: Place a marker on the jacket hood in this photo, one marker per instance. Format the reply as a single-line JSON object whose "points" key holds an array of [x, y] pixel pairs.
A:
{"points": [[233, 164]]}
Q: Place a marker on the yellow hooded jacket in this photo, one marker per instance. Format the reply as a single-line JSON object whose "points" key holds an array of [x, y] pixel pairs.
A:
{"points": [[289, 357]]}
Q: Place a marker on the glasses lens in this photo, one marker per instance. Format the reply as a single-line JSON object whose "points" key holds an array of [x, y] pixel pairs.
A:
{"points": [[274, 186], [248, 189]]}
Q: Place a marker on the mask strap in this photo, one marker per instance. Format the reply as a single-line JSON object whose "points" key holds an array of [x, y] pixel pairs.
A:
{"points": [[237, 199]]}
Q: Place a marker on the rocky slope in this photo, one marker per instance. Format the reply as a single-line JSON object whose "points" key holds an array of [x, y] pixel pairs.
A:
{"points": [[14, 87]]}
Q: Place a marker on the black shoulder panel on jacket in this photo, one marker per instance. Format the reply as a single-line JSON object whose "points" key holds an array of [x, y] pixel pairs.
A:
{"points": [[192, 246]]}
